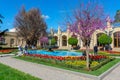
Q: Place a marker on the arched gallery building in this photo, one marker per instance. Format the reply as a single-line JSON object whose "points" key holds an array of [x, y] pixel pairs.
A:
{"points": [[13, 40], [113, 31]]}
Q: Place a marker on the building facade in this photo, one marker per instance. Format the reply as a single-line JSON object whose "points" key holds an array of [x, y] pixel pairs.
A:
{"points": [[112, 31], [12, 40]]}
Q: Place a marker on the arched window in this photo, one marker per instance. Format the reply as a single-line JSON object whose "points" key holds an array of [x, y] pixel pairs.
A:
{"points": [[98, 35], [117, 39], [56, 38], [64, 40], [2, 40], [11, 42]]}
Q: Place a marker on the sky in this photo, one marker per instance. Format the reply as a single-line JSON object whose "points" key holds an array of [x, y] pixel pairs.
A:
{"points": [[54, 11]]}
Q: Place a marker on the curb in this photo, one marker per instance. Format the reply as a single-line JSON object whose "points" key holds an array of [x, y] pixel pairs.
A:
{"points": [[107, 72], [5, 55]]}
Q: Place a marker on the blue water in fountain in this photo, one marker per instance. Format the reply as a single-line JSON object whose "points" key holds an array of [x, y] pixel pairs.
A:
{"points": [[56, 53]]}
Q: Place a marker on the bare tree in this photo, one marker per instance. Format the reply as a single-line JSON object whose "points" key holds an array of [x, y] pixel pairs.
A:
{"points": [[30, 25]]}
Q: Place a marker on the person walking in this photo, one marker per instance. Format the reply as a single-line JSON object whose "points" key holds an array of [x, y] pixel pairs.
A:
{"points": [[25, 49], [95, 49], [20, 51]]}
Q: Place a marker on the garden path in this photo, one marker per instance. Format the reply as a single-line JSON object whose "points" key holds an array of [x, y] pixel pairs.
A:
{"points": [[42, 71], [50, 73]]}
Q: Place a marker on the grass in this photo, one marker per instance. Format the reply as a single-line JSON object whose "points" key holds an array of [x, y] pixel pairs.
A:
{"points": [[96, 72], [7, 73]]}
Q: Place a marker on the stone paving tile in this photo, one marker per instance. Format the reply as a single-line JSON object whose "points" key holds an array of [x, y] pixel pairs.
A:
{"points": [[40, 71], [114, 75]]}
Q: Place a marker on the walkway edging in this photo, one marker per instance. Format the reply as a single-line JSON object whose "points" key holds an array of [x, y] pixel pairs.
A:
{"points": [[108, 71]]}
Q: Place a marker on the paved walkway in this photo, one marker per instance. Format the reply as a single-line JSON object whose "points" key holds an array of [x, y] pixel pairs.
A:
{"points": [[113, 75], [50, 73], [41, 71]]}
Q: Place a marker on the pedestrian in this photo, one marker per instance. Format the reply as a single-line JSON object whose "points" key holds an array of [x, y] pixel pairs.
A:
{"points": [[20, 48], [25, 49], [84, 53], [95, 49], [20, 51]]}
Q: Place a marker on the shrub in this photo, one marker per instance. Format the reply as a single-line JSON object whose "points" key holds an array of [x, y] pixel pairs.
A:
{"points": [[104, 39], [101, 64], [53, 41], [72, 41]]}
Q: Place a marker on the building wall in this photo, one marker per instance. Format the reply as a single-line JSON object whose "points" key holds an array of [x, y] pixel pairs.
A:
{"points": [[12, 40], [68, 34]]}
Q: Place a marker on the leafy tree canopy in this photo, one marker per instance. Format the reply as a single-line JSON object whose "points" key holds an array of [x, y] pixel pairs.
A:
{"points": [[72, 41], [104, 39], [53, 41]]}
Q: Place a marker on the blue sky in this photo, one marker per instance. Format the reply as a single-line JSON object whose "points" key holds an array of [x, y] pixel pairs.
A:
{"points": [[53, 10]]}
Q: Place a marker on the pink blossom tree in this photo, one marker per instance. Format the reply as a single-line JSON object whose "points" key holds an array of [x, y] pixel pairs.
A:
{"points": [[44, 41], [86, 20]]}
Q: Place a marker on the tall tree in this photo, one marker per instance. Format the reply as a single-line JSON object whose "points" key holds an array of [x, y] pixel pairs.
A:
{"points": [[86, 20], [117, 16], [30, 25]]}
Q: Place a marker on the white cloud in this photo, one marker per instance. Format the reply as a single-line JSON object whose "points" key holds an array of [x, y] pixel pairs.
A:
{"points": [[12, 30], [45, 16]]}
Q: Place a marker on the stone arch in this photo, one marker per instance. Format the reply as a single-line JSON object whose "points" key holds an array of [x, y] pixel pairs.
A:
{"points": [[56, 38], [2, 40], [64, 40], [12, 41], [116, 40]]}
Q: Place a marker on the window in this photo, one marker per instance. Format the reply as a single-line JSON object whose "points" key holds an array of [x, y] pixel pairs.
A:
{"points": [[64, 40], [56, 38], [117, 39], [11, 41], [98, 35], [2, 40]]}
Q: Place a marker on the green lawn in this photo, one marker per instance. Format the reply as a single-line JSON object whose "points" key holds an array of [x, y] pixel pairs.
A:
{"points": [[96, 72], [7, 73]]}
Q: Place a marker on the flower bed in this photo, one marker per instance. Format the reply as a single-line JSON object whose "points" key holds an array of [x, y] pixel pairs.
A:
{"points": [[77, 62], [112, 52], [5, 51]]}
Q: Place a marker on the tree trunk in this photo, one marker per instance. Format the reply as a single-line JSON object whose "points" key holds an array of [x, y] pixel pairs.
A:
{"points": [[87, 57]]}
